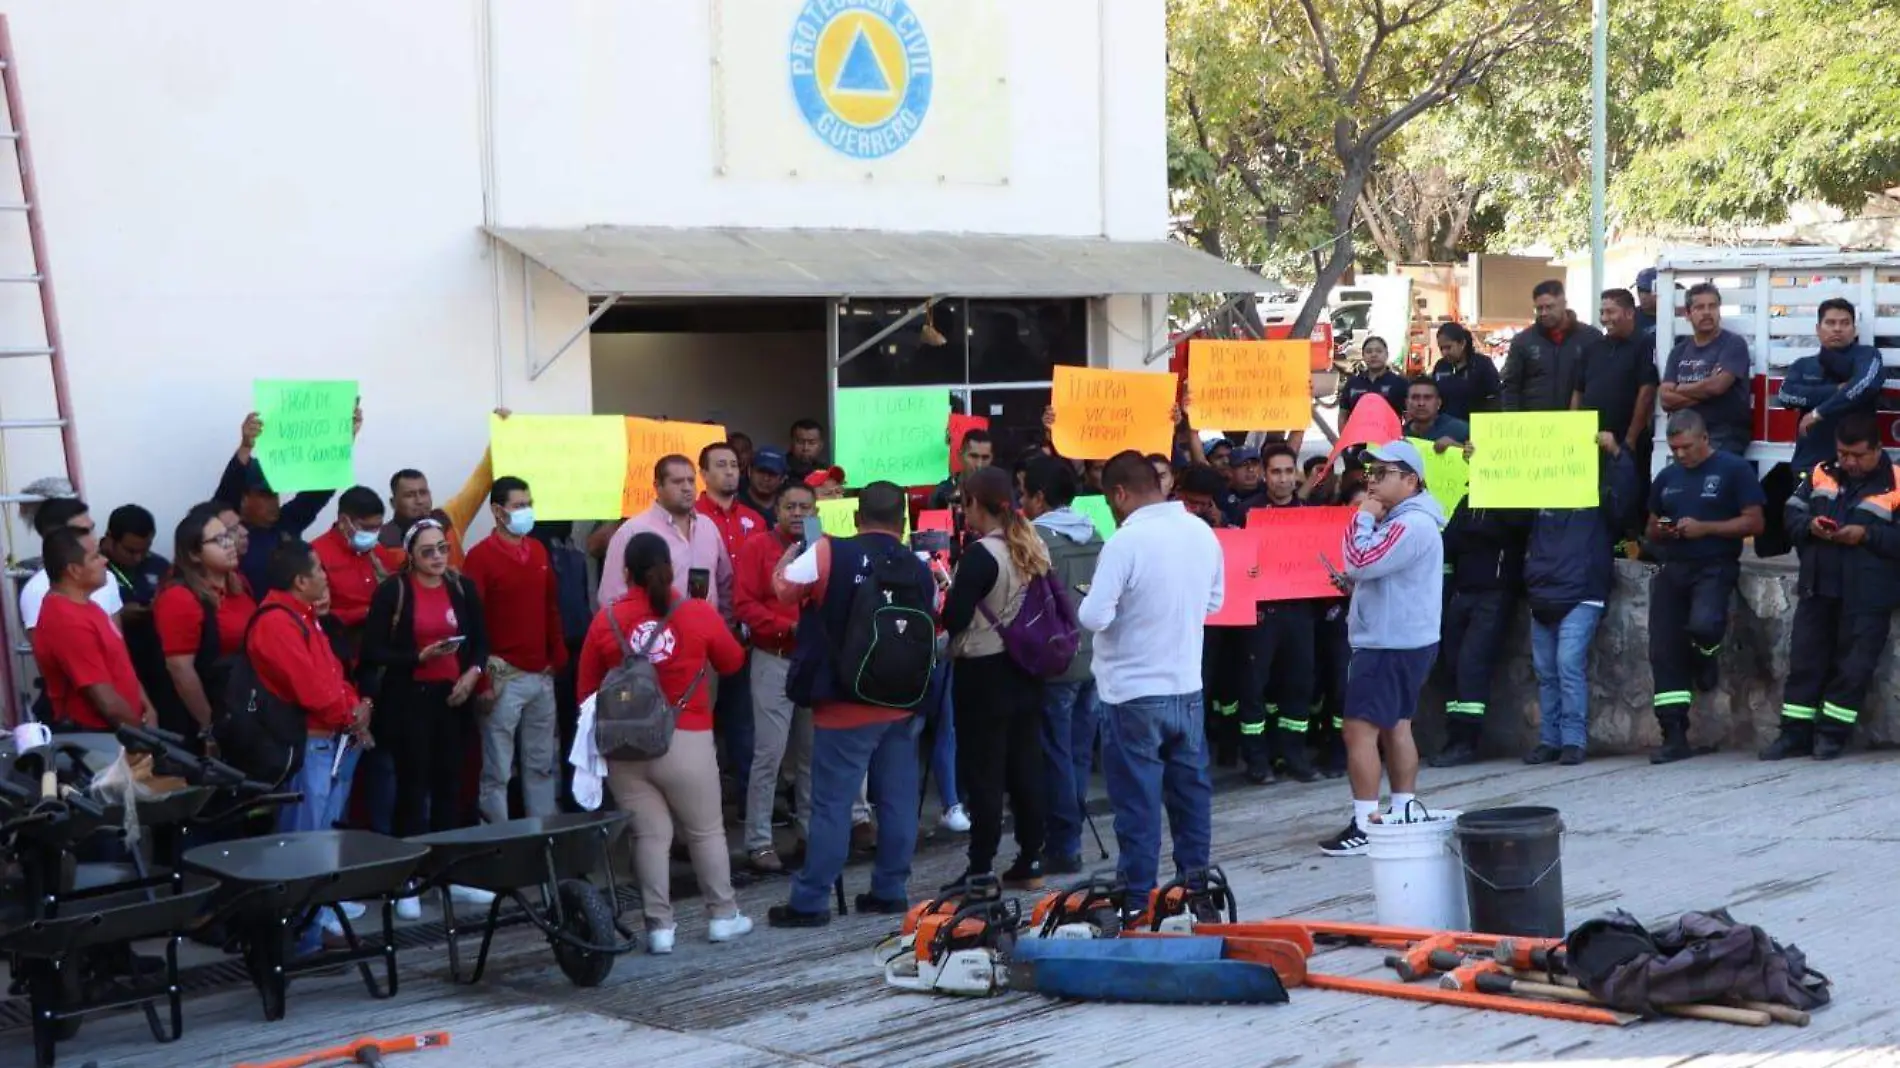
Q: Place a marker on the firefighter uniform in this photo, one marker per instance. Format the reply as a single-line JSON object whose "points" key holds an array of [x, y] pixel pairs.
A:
{"points": [[1689, 594], [1277, 702], [1484, 566], [1848, 595]]}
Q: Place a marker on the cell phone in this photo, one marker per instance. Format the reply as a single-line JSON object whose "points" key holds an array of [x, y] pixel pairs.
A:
{"points": [[699, 583], [813, 529], [1827, 524], [930, 541], [1338, 575], [455, 642], [1666, 521]]}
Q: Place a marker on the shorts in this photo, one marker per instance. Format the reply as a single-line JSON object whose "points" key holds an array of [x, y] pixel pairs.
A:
{"points": [[1382, 685]]}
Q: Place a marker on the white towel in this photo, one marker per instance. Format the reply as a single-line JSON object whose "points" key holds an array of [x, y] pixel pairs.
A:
{"points": [[590, 770]]}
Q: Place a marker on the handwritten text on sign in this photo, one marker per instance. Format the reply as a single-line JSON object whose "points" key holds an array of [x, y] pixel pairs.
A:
{"points": [[309, 434], [1292, 541], [574, 465], [1533, 459], [648, 441], [893, 434], [1447, 474], [1250, 385], [1101, 413]]}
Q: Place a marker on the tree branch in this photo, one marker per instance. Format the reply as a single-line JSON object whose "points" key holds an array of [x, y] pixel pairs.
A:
{"points": [[1317, 27]]}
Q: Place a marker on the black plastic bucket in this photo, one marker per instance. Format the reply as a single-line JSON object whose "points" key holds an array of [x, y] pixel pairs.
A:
{"points": [[1514, 870]]}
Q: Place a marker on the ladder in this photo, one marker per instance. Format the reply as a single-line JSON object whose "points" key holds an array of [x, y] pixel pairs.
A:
{"points": [[16, 666]]}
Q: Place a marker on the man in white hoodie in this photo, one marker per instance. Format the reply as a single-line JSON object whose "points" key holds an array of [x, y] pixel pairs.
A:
{"points": [[1395, 564]]}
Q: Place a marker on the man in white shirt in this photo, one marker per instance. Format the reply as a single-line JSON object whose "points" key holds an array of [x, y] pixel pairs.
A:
{"points": [[1155, 584], [52, 515]]}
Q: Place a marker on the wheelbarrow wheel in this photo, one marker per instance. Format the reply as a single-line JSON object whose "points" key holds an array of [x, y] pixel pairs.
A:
{"points": [[585, 916]]}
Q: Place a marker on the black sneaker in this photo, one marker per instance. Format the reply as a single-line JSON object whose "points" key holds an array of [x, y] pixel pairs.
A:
{"points": [[1259, 774], [1572, 756], [1025, 874], [1455, 755], [787, 916], [1789, 743], [1829, 746], [880, 906], [1543, 754], [1350, 842], [1053, 864]]}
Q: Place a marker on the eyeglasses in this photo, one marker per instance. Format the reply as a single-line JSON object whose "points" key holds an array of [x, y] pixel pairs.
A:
{"points": [[1375, 472], [222, 541], [431, 551]]}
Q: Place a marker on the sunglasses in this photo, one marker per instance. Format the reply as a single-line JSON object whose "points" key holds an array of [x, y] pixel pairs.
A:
{"points": [[432, 551]]}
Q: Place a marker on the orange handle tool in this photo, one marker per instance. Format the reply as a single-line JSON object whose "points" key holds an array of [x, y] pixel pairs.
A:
{"points": [[351, 1051], [1552, 1011]]}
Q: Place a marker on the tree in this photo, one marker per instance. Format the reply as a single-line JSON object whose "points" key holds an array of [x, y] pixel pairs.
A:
{"points": [[1292, 104], [1417, 207]]}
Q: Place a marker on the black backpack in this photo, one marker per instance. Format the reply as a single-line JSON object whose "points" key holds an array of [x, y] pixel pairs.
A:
{"points": [[258, 733], [887, 654]]}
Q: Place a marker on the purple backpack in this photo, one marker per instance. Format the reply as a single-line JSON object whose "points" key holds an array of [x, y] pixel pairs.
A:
{"points": [[1043, 636]]}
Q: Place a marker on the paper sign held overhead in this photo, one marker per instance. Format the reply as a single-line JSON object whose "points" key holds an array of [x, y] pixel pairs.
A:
{"points": [[309, 434], [1101, 413], [1534, 460], [648, 440], [1292, 541], [575, 465], [895, 435], [1250, 385]]}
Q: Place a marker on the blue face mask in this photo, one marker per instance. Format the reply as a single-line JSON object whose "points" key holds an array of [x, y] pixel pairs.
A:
{"points": [[520, 521], [362, 540]]}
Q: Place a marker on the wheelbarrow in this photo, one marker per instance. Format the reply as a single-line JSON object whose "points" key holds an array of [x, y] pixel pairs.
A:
{"points": [[553, 854], [60, 960], [275, 885]]}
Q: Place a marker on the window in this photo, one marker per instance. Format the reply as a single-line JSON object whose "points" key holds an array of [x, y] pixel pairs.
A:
{"points": [[901, 359]]}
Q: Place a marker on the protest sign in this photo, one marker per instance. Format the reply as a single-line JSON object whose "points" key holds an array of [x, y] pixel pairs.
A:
{"points": [[575, 465], [1240, 561], [1447, 474], [893, 434], [1371, 420], [839, 517], [959, 426], [1095, 506], [940, 520], [647, 441], [1100, 413], [1292, 540], [1534, 460], [309, 434], [1250, 385]]}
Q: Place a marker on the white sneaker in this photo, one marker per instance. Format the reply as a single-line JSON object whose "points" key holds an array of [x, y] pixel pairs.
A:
{"points": [[408, 908], [468, 895], [725, 930], [955, 819], [660, 940]]}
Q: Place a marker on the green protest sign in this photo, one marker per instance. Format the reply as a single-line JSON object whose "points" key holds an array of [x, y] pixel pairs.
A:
{"points": [[1447, 474], [1095, 506], [893, 434], [309, 434], [1533, 460]]}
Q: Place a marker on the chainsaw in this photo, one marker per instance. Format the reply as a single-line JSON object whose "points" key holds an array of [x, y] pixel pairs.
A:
{"points": [[965, 952], [1092, 908], [904, 941], [1198, 895]]}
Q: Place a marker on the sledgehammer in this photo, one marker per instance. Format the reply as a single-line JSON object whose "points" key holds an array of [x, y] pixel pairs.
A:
{"points": [[1439, 953], [1495, 982]]}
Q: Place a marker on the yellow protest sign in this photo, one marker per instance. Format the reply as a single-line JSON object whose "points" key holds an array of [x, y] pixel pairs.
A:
{"points": [[1250, 385], [575, 465], [1533, 460], [650, 440], [1100, 413], [1447, 474], [839, 517]]}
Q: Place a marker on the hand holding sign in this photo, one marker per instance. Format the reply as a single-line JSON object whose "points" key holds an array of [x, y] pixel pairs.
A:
{"points": [[893, 434], [1101, 413], [1240, 560], [1534, 460], [650, 440], [304, 436], [575, 465], [1251, 385], [1296, 545]]}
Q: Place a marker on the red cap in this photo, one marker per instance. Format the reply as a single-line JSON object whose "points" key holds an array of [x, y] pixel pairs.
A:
{"points": [[823, 475]]}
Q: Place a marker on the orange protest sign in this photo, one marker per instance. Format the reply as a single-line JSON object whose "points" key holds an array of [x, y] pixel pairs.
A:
{"points": [[1292, 541], [648, 440], [1101, 413], [1240, 556], [1250, 385]]}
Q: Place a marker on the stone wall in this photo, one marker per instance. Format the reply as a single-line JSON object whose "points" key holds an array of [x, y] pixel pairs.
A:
{"points": [[1741, 714]]}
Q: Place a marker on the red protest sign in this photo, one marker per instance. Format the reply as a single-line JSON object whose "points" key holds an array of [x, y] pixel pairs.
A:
{"points": [[959, 426], [1292, 540], [1372, 421], [1240, 557]]}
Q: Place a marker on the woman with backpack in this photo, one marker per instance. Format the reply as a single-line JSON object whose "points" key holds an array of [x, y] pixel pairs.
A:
{"points": [[998, 703], [200, 615], [686, 643]]}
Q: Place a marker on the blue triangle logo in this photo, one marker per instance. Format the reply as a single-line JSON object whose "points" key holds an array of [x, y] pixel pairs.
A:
{"points": [[861, 72]]}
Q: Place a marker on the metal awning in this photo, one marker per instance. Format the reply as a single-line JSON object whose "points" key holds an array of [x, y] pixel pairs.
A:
{"points": [[654, 261]]}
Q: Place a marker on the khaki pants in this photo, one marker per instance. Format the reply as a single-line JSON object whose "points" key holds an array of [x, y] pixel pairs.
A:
{"points": [[683, 784]]}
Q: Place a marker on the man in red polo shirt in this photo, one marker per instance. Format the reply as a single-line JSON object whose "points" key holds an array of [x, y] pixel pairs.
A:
{"points": [[89, 677], [354, 562], [736, 521], [772, 625]]}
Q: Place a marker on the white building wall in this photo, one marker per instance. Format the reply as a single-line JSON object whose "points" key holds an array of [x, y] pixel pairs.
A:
{"points": [[237, 190]]}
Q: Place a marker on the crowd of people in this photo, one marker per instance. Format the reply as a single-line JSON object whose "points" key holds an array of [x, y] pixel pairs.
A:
{"points": [[820, 677]]}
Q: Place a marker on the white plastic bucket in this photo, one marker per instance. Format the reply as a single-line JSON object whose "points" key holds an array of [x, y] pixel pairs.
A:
{"points": [[1417, 880]]}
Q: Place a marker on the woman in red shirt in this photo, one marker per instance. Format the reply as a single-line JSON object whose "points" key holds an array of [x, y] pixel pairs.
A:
{"points": [[200, 616], [692, 643]]}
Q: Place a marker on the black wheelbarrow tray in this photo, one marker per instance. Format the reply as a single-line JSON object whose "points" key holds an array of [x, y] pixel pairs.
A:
{"points": [[276, 884], [54, 955], [551, 854]]}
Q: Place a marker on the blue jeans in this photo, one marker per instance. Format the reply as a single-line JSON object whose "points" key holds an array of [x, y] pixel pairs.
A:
{"points": [[377, 770], [1070, 720], [1154, 755], [1561, 655], [732, 714], [324, 799], [840, 760], [943, 747]]}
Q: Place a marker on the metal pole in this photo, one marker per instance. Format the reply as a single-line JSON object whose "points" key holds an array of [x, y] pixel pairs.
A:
{"points": [[1599, 143]]}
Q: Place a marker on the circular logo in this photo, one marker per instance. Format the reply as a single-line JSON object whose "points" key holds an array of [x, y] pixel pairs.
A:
{"points": [[861, 74], [662, 649]]}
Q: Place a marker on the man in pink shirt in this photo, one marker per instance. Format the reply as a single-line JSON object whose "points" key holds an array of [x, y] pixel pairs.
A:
{"points": [[694, 539]]}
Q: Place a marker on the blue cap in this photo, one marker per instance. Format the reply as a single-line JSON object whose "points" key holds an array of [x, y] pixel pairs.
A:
{"points": [[1400, 452], [1646, 280], [1244, 456], [769, 460]]}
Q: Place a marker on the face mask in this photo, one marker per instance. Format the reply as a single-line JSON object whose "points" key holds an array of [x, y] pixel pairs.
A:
{"points": [[520, 521], [362, 540]]}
